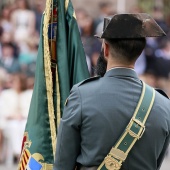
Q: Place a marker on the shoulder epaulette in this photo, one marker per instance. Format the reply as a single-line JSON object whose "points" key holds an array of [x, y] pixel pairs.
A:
{"points": [[88, 80], [162, 93]]}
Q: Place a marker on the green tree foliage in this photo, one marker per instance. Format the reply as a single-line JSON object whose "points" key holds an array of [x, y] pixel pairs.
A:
{"points": [[167, 7], [147, 6]]}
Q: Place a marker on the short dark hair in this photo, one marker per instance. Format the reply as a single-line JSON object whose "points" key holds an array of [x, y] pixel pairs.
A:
{"points": [[128, 49]]}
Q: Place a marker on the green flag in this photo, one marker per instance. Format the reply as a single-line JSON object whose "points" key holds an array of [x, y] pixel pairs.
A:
{"points": [[71, 59], [61, 63]]}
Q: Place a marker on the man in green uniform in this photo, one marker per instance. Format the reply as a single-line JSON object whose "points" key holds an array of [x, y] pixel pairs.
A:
{"points": [[99, 109]]}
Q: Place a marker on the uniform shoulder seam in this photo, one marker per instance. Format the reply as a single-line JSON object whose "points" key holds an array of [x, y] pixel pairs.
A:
{"points": [[88, 80]]}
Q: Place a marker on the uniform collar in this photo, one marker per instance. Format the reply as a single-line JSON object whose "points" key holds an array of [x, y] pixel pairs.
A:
{"points": [[124, 72]]}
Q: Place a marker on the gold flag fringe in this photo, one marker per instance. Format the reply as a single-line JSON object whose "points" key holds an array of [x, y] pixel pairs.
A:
{"points": [[48, 74]]}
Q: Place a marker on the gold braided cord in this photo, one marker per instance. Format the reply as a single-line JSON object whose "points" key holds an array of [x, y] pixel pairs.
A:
{"points": [[48, 74], [58, 98], [66, 4]]}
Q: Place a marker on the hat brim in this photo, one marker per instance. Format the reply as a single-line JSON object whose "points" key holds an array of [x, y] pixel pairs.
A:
{"points": [[99, 36], [130, 26]]}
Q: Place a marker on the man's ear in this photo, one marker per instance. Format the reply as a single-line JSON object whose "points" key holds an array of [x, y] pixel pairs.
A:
{"points": [[106, 50]]}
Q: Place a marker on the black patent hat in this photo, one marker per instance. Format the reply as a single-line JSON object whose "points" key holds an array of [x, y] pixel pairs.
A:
{"points": [[130, 26]]}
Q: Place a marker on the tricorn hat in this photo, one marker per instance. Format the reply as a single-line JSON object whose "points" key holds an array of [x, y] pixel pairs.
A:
{"points": [[130, 26]]}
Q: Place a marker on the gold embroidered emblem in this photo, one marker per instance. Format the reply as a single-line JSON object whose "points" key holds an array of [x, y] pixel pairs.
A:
{"points": [[111, 163], [27, 157]]}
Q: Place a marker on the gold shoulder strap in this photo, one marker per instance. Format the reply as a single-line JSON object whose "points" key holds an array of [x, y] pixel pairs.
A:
{"points": [[132, 133]]}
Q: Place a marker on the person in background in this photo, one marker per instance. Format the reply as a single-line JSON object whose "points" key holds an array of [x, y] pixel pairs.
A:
{"points": [[81, 15], [158, 15], [28, 56], [1, 32], [13, 118], [164, 49], [2, 86], [5, 23], [8, 60], [23, 23], [91, 45], [1, 145], [162, 64], [153, 48], [38, 10], [3, 78], [5, 19], [106, 9]]}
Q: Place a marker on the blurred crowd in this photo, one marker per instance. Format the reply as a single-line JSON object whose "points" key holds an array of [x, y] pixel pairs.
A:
{"points": [[153, 66], [19, 38]]}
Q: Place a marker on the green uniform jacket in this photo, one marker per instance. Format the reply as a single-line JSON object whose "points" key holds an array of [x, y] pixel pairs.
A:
{"points": [[98, 111]]}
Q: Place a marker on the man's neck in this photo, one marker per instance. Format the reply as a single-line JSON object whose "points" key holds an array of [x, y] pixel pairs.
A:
{"points": [[119, 66], [114, 63]]}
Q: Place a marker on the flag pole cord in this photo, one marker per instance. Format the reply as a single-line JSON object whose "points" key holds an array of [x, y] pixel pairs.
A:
{"points": [[48, 74]]}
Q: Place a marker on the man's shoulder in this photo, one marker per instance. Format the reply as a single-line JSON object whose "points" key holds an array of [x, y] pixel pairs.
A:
{"points": [[162, 100], [88, 81], [160, 91], [162, 97], [87, 86]]}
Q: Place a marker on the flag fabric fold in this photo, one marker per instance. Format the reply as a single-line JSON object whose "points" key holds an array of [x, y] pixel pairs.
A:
{"points": [[61, 63], [71, 58]]}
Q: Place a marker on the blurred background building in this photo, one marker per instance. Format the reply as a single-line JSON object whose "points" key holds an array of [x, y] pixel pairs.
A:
{"points": [[19, 38]]}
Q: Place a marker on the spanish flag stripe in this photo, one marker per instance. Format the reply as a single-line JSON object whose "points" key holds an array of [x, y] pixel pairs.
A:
{"points": [[25, 158], [27, 154], [21, 163], [24, 162], [23, 166]]}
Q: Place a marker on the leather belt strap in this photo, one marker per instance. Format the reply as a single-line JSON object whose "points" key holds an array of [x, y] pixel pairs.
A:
{"points": [[132, 133]]}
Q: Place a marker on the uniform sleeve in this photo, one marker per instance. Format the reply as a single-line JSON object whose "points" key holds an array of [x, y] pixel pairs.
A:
{"points": [[163, 153], [68, 138]]}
